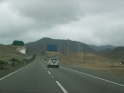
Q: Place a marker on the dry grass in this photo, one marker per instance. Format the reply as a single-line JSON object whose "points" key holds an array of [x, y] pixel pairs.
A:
{"points": [[109, 68]]}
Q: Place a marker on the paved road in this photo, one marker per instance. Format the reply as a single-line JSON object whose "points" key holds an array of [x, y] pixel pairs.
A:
{"points": [[37, 78]]}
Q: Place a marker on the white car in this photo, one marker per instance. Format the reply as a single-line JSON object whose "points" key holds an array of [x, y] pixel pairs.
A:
{"points": [[53, 62]]}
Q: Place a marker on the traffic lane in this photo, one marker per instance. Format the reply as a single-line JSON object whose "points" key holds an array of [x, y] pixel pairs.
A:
{"points": [[32, 79], [101, 74], [109, 89], [75, 82]]}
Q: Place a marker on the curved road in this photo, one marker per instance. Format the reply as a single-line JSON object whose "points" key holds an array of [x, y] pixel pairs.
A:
{"points": [[37, 78]]}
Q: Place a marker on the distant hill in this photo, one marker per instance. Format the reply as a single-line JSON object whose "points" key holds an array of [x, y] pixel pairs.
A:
{"points": [[105, 51], [108, 51], [99, 48], [116, 53], [74, 46]]}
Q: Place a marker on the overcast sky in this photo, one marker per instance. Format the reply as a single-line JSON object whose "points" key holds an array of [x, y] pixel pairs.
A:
{"points": [[98, 22]]}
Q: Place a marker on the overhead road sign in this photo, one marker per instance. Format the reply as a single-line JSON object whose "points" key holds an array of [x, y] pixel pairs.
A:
{"points": [[52, 48]]}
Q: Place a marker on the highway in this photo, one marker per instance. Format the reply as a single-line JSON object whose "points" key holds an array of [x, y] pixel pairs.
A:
{"points": [[37, 78]]}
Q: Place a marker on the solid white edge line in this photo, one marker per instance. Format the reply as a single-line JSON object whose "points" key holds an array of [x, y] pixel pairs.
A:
{"points": [[94, 77], [49, 72], [14, 72], [63, 89]]}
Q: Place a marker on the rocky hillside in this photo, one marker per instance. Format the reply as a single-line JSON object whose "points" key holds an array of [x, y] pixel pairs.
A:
{"points": [[74, 46], [116, 53]]}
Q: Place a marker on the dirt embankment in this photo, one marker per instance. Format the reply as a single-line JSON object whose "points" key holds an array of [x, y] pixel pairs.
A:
{"points": [[7, 52]]}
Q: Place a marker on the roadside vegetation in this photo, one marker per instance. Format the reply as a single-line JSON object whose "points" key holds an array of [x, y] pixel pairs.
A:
{"points": [[13, 64]]}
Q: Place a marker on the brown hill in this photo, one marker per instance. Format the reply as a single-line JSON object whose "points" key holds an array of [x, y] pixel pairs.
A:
{"points": [[80, 58], [7, 52], [91, 58], [49, 55]]}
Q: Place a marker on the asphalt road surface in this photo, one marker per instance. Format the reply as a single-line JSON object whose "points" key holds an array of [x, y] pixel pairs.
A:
{"points": [[37, 78]]}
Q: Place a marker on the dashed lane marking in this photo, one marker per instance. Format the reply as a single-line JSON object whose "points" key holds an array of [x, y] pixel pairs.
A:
{"points": [[49, 72], [63, 89]]}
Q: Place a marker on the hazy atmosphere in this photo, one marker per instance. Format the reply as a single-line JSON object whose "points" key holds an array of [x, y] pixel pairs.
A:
{"points": [[98, 22]]}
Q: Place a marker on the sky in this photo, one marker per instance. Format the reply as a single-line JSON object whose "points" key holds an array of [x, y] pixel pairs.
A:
{"points": [[94, 22]]}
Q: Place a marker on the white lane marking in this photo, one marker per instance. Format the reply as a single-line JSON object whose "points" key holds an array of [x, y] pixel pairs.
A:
{"points": [[63, 89], [94, 77], [49, 72], [43, 65], [14, 72], [43, 60]]}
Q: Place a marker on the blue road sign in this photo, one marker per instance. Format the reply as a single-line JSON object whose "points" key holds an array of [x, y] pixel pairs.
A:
{"points": [[52, 48]]}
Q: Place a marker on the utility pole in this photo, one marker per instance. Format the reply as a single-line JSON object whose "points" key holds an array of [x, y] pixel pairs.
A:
{"points": [[84, 53], [63, 49], [68, 47]]}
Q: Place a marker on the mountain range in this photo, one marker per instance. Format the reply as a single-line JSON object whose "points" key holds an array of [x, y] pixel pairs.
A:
{"points": [[116, 53], [64, 46], [103, 47]]}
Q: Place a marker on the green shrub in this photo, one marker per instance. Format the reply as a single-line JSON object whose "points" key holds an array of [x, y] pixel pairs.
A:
{"points": [[1, 64]]}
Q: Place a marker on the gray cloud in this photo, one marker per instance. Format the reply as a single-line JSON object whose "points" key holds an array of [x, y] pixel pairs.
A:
{"points": [[97, 22], [49, 12]]}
